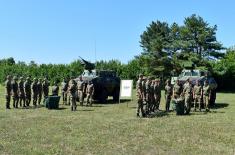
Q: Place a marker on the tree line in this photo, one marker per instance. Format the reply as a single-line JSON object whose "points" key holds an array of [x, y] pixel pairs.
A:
{"points": [[167, 49]]}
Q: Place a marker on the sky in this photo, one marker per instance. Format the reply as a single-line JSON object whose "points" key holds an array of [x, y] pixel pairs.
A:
{"points": [[59, 31]]}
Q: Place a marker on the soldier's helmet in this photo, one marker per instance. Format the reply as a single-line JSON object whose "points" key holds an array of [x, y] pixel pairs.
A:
{"points": [[8, 77], [35, 79], [140, 75], [28, 78]]}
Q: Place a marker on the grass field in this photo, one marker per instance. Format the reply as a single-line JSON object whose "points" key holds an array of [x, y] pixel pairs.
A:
{"points": [[115, 129]]}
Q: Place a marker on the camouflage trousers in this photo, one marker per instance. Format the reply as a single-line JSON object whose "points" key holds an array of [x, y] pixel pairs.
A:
{"points": [[89, 100], [39, 98], [27, 99], [35, 98], [15, 99], [197, 99], [168, 100], [140, 107], [8, 100], [206, 101], [64, 96], [157, 99], [81, 97]]}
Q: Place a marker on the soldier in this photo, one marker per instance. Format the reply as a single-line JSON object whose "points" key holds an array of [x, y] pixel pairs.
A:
{"points": [[152, 99], [64, 89], [197, 95], [72, 91], [90, 92], [45, 88], [157, 94], [168, 94], [39, 85], [139, 94], [187, 91], [8, 92], [34, 87], [177, 90], [55, 89], [147, 95], [27, 90], [206, 95], [143, 89], [81, 90], [21, 92], [15, 95]]}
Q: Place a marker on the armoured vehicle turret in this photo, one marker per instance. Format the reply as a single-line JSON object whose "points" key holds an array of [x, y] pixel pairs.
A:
{"points": [[106, 82]]}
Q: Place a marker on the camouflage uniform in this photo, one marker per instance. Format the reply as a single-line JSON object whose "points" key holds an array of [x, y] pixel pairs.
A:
{"points": [[177, 90], [206, 95], [34, 87], [45, 88], [55, 89], [15, 95], [8, 91], [152, 99], [64, 89], [139, 94], [197, 95], [39, 85], [90, 92], [27, 90], [21, 92], [187, 91], [81, 89], [143, 89], [72, 91], [168, 94], [157, 94], [147, 95]]}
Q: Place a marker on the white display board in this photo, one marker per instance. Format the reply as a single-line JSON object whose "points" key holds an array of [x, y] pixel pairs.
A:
{"points": [[126, 89]]}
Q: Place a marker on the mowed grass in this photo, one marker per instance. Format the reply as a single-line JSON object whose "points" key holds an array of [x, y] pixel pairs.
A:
{"points": [[115, 129]]}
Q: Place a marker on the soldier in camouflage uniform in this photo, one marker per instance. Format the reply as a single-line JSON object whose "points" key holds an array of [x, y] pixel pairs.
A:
{"points": [[34, 87], [15, 95], [45, 88], [21, 92], [177, 90], [55, 89], [27, 90], [187, 91], [8, 91], [206, 95], [168, 94], [147, 95], [197, 95], [152, 99], [143, 89], [90, 92], [39, 85], [157, 94], [139, 94], [81, 90], [72, 91], [64, 89]]}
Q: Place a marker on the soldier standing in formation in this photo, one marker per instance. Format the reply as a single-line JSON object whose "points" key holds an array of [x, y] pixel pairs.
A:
{"points": [[187, 91], [206, 95], [35, 91], [197, 95], [140, 95], [157, 94], [21, 92], [39, 85], [45, 88], [90, 92], [168, 94], [177, 90], [15, 95], [72, 91], [8, 91], [64, 89], [27, 90], [81, 90], [147, 95]]}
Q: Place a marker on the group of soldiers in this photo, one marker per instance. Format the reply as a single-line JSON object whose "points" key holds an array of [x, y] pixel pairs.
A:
{"points": [[149, 95], [77, 90], [22, 91]]}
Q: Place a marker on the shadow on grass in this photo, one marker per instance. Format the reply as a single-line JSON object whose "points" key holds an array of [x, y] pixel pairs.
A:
{"points": [[220, 105], [158, 114], [86, 110]]}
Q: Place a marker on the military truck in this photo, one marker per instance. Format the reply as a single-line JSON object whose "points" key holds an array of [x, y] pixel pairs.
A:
{"points": [[106, 82]]}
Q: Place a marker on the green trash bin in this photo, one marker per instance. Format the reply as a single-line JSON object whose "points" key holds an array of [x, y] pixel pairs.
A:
{"points": [[52, 102], [179, 106]]}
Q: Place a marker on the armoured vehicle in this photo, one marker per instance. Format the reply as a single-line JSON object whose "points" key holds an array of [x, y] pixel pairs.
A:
{"points": [[106, 83]]}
